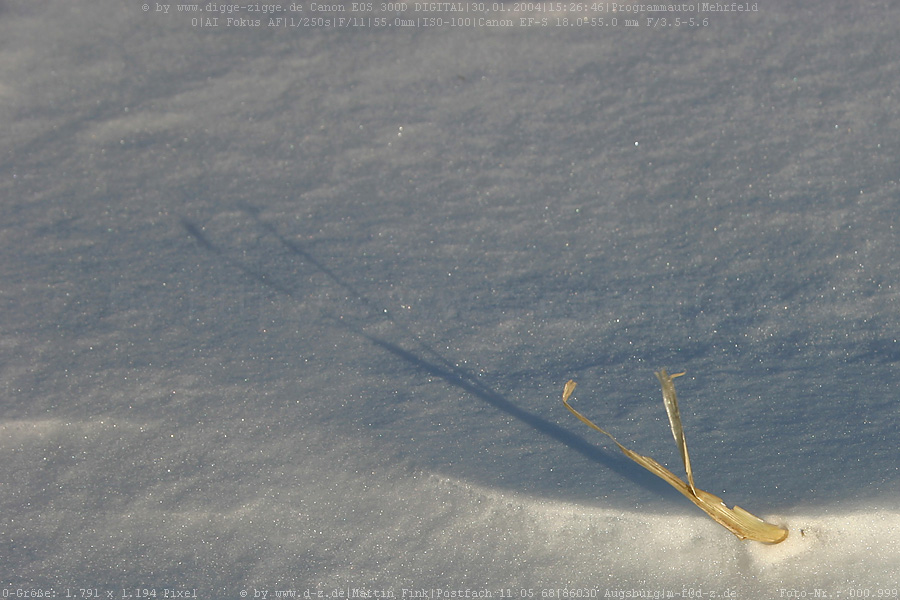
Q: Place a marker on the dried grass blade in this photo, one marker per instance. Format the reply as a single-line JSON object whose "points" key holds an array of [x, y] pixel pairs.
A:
{"points": [[670, 400], [737, 520]]}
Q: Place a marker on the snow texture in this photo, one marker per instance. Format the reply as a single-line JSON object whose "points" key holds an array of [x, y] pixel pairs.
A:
{"points": [[293, 309]]}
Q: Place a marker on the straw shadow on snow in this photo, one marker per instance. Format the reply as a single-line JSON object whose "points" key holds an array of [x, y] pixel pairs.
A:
{"points": [[425, 358]]}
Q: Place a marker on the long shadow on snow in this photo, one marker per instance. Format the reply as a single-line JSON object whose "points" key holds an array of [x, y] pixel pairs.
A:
{"points": [[438, 365]]}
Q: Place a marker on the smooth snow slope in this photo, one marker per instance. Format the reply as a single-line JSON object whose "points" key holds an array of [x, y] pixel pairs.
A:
{"points": [[293, 309]]}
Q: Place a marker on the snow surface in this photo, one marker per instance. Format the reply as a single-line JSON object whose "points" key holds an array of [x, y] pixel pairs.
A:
{"points": [[293, 309]]}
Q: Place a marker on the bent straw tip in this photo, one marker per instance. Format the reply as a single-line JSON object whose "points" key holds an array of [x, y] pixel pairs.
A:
{"points": [[662, 374]]}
